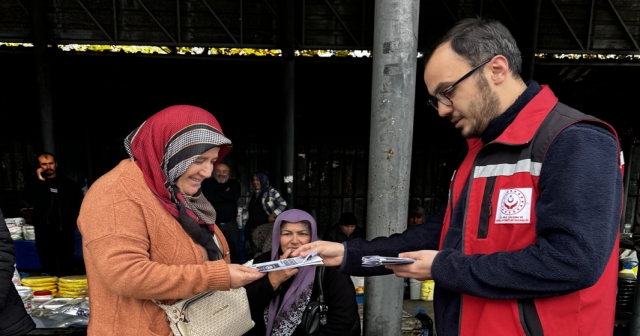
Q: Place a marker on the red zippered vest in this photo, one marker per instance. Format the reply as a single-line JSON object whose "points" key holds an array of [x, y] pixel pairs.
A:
{"points": [[500, 216]]}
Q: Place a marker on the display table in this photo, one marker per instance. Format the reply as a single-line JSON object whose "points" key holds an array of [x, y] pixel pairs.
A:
{"points": [[58, 331]]}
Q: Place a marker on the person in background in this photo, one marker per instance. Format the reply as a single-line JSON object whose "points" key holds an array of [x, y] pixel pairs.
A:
{"points": [[529, 239], [346, 229], [148, 233], [223, 193], [278, 300], [14, 320], [56, 203], [416, 216], [265, 204]]}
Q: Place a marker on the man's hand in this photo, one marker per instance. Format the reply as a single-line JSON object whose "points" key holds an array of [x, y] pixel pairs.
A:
{"points": [[420, 269], [272, 218], [39, 174], [330, 252], [242, 275], [276, 278]]}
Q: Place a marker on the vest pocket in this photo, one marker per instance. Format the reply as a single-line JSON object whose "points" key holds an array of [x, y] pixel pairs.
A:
{"points": [[529, 318], [485, 211]]}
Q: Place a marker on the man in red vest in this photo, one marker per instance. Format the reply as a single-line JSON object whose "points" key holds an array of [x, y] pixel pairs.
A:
{"points": [[528, 243]]}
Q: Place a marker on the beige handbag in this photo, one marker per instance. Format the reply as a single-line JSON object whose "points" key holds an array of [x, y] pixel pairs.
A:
{"points": [[212, 313]]}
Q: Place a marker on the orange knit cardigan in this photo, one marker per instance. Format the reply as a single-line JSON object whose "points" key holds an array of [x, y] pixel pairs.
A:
{"points": [[135, 252]]}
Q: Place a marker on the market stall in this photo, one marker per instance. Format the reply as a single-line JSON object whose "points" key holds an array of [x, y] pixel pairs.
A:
{"points": [[58, 305]]}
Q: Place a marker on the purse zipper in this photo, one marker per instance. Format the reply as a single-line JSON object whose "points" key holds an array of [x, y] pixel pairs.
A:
{"points": [[183, 313]]}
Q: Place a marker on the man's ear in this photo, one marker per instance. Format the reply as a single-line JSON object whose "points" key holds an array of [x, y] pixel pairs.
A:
{"points": [[498, 69]]}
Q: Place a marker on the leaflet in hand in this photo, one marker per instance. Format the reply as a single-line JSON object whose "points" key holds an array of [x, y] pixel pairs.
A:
{"points": [[373, 261], [311, 260]]}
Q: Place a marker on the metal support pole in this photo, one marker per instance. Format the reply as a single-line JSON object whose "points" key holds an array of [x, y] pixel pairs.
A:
{"points": [[395, 43], [627, 180], [288, 104], [529, 38], [43, 75]]}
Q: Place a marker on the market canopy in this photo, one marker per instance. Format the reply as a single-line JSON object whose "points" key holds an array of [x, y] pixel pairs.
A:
{"points": [[563, 26]]}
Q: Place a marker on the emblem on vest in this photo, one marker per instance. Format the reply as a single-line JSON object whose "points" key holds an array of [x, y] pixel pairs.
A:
{"points": [[514, 206]]}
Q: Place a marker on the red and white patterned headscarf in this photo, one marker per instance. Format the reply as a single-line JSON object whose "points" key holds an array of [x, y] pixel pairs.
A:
{"points": [[164, 147]]}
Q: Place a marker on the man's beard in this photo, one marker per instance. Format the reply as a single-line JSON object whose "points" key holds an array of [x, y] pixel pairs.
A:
{"points": [[484, 108], [222, 180], [49, 172]]}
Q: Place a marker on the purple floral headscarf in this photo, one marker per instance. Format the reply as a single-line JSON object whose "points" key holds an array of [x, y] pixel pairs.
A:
{"points": [[285, 319]]}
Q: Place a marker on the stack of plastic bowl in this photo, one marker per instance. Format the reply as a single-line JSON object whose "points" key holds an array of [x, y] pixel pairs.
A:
{"points": [[39, 283], [74, 286], [26, 294]]}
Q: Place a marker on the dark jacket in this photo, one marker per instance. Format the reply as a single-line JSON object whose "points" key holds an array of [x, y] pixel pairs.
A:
{"points": [[69, 200], [224, 201], [14, 319], [580, 162], [339, 295], [335, 234]]}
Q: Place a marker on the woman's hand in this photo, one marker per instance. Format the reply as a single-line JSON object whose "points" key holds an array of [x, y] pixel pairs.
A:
{"points": [[242, 275], [276, 278]]}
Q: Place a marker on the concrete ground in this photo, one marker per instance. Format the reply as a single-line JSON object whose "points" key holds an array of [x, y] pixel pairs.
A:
{"points": [[410, 325]]}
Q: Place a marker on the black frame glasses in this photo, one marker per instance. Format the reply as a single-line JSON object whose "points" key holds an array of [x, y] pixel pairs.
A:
{"points": [[442, 95]]}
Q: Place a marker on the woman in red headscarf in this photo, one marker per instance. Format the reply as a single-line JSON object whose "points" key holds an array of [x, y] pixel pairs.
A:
{"points": [[147, 231]]}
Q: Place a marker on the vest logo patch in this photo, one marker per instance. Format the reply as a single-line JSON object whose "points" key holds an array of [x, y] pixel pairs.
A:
{"points": [[514, 206]]}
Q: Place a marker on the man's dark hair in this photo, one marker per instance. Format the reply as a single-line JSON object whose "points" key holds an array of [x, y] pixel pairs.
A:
{"points": [[47, 154], [477, 40]]}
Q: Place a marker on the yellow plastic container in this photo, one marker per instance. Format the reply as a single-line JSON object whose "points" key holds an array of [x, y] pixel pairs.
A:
{"points": [[426, 293], [73, 279], [38, 280]]}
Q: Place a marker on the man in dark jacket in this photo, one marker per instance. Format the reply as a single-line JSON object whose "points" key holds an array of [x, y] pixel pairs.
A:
{"points": [[346, 229], [223, 193], [530, 239], [14, 320], [56, 201], [416, 216]]}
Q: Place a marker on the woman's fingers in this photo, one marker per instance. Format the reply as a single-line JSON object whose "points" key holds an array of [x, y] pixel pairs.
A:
{"points": [[286, 254]]}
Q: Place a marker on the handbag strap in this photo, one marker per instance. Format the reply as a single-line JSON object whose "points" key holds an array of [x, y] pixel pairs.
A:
{"points": [[320, 278]]}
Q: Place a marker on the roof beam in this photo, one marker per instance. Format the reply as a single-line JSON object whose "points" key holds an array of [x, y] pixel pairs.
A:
{"points": [[593, 2], [178, 20], [94, 20], [364, 4], [156, 20], [219, 21], [453, 16], [508, 13], [626, 29], [567, 24], [23, 7], [342, 22], [115, 21], [273, 11]]}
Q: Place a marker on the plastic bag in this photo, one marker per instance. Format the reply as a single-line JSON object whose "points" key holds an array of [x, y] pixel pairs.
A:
{"points": [[79, 307], [60, 321], [16, 276]]}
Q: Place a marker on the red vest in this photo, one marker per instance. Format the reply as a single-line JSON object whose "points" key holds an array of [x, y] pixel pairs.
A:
{"points": [[500, 216]]}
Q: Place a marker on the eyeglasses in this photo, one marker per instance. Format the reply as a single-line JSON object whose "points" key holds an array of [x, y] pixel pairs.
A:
{"points": [[442, 95]]}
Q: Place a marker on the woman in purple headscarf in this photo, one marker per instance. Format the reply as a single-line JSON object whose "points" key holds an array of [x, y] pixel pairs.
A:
{"points": [[278, 300]]}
